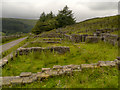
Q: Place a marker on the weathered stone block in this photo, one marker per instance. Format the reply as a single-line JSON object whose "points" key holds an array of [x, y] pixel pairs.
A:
{"points": [[33, 77], [52, 39], [27, 80], [92, 39], [118, 58], [17, 81], [37, 49], [88, 66], [57, 67], [62, 49], [42, 75], [25, 74], [46, 69], [116, 61], [76, 38], [67, 70], [101, 63], [61, 72], [53, 73], [110, 63]]}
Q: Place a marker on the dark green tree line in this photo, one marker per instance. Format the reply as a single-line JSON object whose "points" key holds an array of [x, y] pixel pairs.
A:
{"points": [[49, 21]]}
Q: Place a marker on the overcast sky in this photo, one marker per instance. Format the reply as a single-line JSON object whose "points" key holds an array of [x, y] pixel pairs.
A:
{"points": [[82, 9]]}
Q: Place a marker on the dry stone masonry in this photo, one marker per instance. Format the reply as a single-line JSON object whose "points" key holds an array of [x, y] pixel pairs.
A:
{"points": [[28, 77], [46, 42], [59, 49]]}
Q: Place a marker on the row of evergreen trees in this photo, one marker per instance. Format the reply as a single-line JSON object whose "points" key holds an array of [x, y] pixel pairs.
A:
{"points": [[49, 21]]}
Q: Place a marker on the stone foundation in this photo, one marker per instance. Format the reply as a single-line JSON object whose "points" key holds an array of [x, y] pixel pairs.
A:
{"points": [[28, 77], [93, 39], [59, 49]]}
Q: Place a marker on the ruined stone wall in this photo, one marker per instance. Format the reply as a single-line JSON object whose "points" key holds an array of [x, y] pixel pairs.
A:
{"points": [[28, 77], [59, 49], [112, 39]]}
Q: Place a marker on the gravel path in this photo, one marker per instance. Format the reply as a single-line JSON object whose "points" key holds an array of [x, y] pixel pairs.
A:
{"points": [[7, 46]]}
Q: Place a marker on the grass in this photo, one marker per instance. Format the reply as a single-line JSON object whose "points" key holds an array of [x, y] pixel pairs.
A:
{"points": [[105, 77], [79, 54]]}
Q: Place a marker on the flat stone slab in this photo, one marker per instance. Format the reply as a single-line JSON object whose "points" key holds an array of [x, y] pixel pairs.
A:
{"points": [[46, 69], [53, 39], [110, 63], [42, 75], [57, 67], [17, 81], [27, 80], [25, 74], [46, 42], [33, 77], [88, 66], [101, 63], [68, 70]]}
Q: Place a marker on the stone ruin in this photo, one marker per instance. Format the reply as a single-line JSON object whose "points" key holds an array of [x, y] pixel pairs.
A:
{"points": [[28, 77], [59, 49], [112, 39], [93, 39], [45, 42]]}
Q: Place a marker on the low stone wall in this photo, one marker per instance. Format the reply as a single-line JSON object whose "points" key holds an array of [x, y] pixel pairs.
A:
{"points": [[51, 35], [5, 59], [52, 39], [112, 39], [93, 39], [76, 37], [59, 49], [45, 42], [28, 77], [79, 38]]}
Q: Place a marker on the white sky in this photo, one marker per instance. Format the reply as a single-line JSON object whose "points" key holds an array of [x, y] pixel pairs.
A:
{"points": [[82, 9]]}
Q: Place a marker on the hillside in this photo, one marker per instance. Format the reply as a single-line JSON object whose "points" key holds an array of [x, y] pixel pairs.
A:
{"points": [[13, 25], [109, 24]]}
